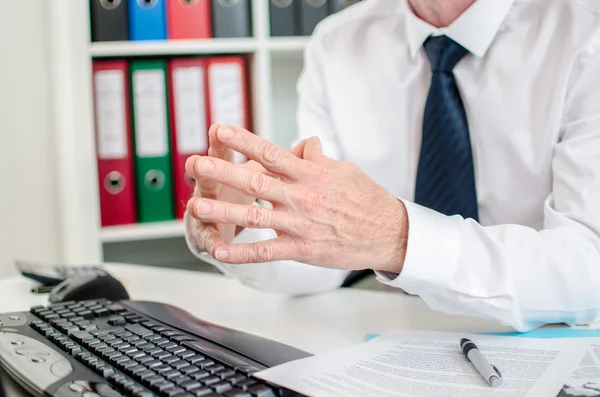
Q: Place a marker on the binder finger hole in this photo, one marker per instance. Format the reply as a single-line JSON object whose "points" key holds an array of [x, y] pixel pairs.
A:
{"points": [[188, 2], [316, 3], [154, 179], [114, 182], [147, 3], [228, 3], [110, 4], [282, 3]]}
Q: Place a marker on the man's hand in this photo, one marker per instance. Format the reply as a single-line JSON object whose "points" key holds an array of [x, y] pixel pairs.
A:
{"points": [[208, 235], [325, 212]]}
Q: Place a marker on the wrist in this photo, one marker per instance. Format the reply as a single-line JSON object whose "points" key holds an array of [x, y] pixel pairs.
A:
{"points": [[400, 241]]}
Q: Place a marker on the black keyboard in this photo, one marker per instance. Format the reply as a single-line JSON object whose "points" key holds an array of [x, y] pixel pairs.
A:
{"points": [[129, 348]]}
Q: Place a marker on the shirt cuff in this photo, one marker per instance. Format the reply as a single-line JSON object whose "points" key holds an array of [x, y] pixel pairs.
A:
{"points": [[432, 254]]}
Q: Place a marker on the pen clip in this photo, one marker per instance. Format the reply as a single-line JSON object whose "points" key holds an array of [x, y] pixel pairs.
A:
{"points": [[497, 370]]}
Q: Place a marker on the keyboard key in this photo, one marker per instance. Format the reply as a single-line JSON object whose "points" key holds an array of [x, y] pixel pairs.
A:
{"points": [[245, 384], [81, 335], [166, 386], [174, 392], [127, 349], [181, 379], [155, 380], [183, 338], [162, 368], [117, 320], [190, 384], [182, 366], [119, 344], [169, 359], [195, 358], [223, 373], [144, 359], [138, 329], [185, 353], [247, 370], [170, 345], [171, 374], [200, 374], [237, 392], [147, 374], [190, 370], [161, 354], [161, 342], [87, 314], [211, 380], [262, 391], [205, 363], [177, 362], [214, 368], [140, 344], [132, 338], [202, 391], [153, 363], [116, 308], [152, 337], [101, 312], [169, 332], [221, 387]]}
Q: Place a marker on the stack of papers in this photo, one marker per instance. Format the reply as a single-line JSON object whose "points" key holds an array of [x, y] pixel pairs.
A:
{"points": [[431, 364]]}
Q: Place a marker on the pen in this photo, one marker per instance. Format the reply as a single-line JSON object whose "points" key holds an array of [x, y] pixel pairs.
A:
{"points": [[489, 372], [41, 290]]}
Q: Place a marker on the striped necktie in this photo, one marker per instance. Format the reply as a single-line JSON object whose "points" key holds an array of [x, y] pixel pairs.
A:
{"points": [[445, 176]]}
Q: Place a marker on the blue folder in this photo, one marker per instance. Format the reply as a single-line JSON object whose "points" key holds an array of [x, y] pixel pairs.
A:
{"points": [[540, 333], [147, 20]]}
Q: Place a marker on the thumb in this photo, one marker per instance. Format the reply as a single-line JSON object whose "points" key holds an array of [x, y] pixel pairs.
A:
{"points": [[313, 150]]}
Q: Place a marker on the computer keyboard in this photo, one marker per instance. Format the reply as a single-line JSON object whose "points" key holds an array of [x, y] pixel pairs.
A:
{"points": [[107, 349]]}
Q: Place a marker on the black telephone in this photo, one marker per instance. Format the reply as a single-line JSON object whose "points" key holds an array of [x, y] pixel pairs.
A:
{"points": [[51, 275]]}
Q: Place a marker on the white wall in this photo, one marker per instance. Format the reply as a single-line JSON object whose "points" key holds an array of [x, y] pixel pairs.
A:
{"points": [[28, 224]]}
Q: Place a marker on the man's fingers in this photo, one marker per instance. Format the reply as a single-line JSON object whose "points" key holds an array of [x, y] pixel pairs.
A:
{"points": [[204, 187], [208, 238], [251, 216], [271, 156], [298, 150], [254, 184], [217, 149], [264, 251]]}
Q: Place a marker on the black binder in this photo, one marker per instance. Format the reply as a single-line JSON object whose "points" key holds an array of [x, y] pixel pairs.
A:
{"points": [[109, 20], [338, 5], [231, 18], [282, 17], [311, 13]]}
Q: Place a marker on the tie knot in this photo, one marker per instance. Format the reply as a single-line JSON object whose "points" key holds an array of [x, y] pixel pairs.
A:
{"points": [[443, 53]]}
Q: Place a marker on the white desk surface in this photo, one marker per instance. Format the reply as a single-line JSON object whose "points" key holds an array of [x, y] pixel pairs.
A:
{"points": [[316, 324]]}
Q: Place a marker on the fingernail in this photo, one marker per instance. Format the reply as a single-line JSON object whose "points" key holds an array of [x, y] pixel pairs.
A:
{"points": [[222, 254], [225, 133], [206, 165], [203, 208], [317, 143]]}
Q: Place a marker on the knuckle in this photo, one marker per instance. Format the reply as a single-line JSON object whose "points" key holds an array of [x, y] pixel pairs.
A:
{"points": [[264, 253], [256, 217], [258, 185], [320, 175], [270, 154], [312, 200], [227, 172]]}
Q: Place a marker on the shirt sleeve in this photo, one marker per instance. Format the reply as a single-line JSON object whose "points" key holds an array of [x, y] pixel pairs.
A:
{"points": [[290, 277], [514, 274]]}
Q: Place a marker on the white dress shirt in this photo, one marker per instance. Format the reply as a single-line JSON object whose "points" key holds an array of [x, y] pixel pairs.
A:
{"points": [[531, 90]]}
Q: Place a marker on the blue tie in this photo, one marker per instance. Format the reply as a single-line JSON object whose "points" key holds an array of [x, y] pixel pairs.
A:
{"points": [[445, 177]]}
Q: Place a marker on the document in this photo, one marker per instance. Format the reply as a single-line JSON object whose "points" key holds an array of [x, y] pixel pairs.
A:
{"points": [[585, 379], [431, 364]]}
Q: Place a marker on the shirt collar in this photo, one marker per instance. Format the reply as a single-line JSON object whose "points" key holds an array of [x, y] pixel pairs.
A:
{"points": [[475, 29]]}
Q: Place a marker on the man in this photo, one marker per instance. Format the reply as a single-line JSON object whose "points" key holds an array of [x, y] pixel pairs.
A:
{"points": [[470, 138]]}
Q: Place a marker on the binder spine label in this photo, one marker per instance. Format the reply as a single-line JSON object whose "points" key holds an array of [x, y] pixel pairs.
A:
{"points": [[110, 110], [227, 94], [150, 113], [190, 110]]}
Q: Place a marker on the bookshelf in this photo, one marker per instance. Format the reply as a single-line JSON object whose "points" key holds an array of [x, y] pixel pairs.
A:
{"points": [[274, 66]]}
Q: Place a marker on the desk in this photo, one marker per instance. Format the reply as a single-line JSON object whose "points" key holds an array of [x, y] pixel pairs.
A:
{"points": [[316, 324]]}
